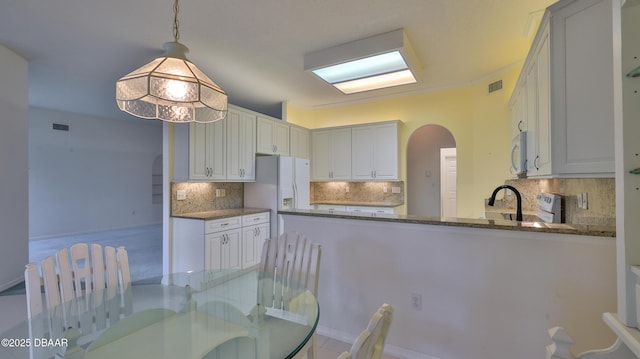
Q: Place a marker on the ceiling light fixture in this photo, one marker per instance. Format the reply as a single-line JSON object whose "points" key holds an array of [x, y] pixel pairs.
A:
{"points": [[373, 63], [171, 88]]}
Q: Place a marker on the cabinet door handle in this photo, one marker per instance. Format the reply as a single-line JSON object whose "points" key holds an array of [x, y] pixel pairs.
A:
{"points": [[535, 162], [258, 230], [375, 174], [519, 123]]}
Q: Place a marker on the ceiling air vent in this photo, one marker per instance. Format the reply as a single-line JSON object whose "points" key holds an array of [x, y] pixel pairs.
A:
{"points": [[60, 127], [495, 86]]}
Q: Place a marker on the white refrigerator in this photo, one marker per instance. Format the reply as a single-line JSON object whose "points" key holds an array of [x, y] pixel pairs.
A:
{"points": [[282, 183]]}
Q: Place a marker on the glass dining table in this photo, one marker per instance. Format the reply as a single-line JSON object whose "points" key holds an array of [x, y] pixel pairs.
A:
{"points": [[214, 314]]}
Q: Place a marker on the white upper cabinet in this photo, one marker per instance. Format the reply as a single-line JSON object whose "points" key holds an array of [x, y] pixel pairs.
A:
{"points": [[374, 152], [331, 154], [273, 136], [226, 150], [207, 152], [564, 95], [299, 141], [241, 145]]}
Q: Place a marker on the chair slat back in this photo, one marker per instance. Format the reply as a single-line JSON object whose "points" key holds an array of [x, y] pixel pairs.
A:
{"points": [[123, 265], [111, 266], [33, 291], [38, 325], [370, 343], [125, 281], [81, 266], [51, 288], [382, 330], [97, 265], [289, 264], [66, 277], [57, 319], [80, 295]]}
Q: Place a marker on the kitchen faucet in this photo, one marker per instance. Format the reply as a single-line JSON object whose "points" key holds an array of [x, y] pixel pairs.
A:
{"points": [[518, 199]]}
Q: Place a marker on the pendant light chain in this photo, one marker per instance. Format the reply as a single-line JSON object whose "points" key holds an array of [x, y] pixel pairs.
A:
{"points": [[176, 32]]}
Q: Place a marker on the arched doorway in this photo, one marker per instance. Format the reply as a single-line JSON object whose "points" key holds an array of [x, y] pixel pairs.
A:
{"points": [[424, 169]]}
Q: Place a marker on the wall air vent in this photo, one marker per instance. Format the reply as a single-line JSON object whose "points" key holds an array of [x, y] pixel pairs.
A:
{"points": [[495, 86], [60, 127]]}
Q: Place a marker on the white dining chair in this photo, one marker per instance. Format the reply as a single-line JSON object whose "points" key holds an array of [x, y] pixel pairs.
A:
{"points": [[370, 343], [79, 273], [289, 263]]}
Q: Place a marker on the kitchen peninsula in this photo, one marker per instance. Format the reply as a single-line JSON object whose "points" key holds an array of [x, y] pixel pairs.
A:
{"points": [[560, 228], [458, 284]]}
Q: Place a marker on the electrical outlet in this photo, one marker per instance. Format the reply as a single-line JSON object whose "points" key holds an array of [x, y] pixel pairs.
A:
{"points": [[384, 189], [395, 189], [585, 200], [181, 195], [416, 301], [218, 192], [346, 189]]}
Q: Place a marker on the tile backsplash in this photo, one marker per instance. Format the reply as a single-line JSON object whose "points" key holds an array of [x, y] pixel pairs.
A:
{"points": [[601, 198], [357, 191], [201, 196]]}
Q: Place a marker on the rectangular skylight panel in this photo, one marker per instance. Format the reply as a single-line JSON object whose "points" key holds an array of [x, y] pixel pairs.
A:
{"points": [[376, 82], [366, 67]]}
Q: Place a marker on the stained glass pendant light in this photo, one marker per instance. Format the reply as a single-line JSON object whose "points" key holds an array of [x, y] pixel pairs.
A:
{"points": [[171, 88]]}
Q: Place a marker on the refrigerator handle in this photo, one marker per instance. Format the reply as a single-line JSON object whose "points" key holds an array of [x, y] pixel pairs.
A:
{"points": [[295, 195]]}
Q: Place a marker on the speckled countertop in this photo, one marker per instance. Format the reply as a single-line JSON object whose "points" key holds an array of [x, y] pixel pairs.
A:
{"points": [[221, 213], [586, 230], [359, 203]]}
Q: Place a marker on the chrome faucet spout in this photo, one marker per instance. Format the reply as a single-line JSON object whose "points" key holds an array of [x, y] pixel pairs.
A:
{"points": [[492, 200]]}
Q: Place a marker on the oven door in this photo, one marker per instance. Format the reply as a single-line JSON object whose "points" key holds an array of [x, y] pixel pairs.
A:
{"points": [[519, 155]]}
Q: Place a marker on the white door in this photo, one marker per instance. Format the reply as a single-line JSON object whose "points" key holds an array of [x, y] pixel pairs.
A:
{"points": [[448, 162]]}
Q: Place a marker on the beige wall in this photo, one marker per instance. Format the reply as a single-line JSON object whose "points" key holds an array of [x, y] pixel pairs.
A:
{"points": [[478, 121]]}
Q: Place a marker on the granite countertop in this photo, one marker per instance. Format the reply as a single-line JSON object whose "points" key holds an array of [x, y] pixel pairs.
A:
{"points": [[359, 203], [220, 213], [564, 228]]}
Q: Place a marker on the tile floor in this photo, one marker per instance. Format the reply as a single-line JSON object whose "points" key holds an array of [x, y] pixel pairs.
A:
{"points": [[144, 245]]}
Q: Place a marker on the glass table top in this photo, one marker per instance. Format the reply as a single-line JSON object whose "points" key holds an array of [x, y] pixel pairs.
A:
{"points": [[214, 314]]}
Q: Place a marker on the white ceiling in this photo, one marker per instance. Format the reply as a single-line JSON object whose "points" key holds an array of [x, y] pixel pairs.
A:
{"points": [[254, 50]]}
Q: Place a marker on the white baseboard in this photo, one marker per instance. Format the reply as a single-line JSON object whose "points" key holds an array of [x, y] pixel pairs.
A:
{"points": [[11, 283], [396, 351]]}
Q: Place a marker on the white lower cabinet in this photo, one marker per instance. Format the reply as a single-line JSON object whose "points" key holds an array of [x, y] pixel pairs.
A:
{"points": [[368, 209], [255, 230], [353, 209], [222, 250], [227, 243], [330, 207]]}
